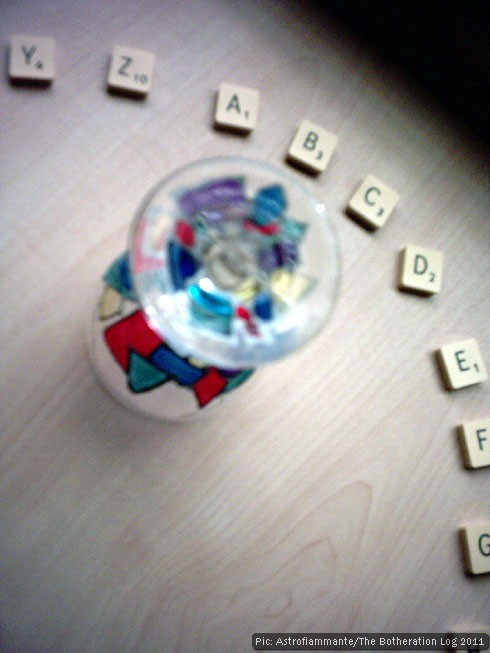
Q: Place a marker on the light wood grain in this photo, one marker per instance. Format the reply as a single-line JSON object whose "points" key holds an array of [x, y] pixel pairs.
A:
{"points": [[327, 495]]}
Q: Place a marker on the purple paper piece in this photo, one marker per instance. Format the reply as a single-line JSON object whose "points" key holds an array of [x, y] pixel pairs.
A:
{"points": [[267, 259], [281, 254], [212, 196], [286, 253], [213, 217], [228, 373]]}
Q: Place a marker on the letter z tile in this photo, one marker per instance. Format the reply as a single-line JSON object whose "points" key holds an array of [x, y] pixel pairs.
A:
{"points": [[131, 71]]}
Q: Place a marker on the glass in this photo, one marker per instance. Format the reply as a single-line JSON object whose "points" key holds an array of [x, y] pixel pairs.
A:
{"points": [[231, 263]]}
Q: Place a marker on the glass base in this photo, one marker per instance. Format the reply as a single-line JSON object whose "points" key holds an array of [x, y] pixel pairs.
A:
{"points": [[139, 368]]}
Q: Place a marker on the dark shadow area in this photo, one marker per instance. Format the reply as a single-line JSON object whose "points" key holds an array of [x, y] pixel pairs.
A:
{"points": [[236, 131], [30, 83], [359, 220], [444, 46], [301, 167], [126, 93]]}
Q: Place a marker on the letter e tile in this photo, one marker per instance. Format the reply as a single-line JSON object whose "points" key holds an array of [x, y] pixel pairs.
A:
{"points": [[461, 364]]}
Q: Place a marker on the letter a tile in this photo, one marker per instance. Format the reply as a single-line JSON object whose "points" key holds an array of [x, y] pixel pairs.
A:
{"points": [[236, 108]]}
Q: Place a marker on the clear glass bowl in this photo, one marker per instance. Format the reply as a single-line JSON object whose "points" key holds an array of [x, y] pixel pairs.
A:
{"points": [[234, 261], [231, 263]]}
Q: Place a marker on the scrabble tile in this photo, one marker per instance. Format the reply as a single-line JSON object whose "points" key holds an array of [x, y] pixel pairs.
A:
{"points": [[421, 270], [373, 202], [461, 364], [131, 71], [236, 108], [31, 58], [476, 548], [475, 443], [312, 147]]}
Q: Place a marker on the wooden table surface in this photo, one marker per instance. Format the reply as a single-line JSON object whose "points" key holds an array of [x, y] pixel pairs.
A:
{"points": [[326, 496]]}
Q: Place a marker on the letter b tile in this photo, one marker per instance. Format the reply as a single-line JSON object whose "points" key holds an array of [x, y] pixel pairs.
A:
{"points": [[312, 147]]}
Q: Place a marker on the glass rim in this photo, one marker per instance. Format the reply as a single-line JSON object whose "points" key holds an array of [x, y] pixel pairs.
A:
{"points": [[213, 348]]}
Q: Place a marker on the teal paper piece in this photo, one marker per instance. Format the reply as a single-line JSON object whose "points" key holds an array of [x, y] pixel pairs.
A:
{"points": [[143, 375]]}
